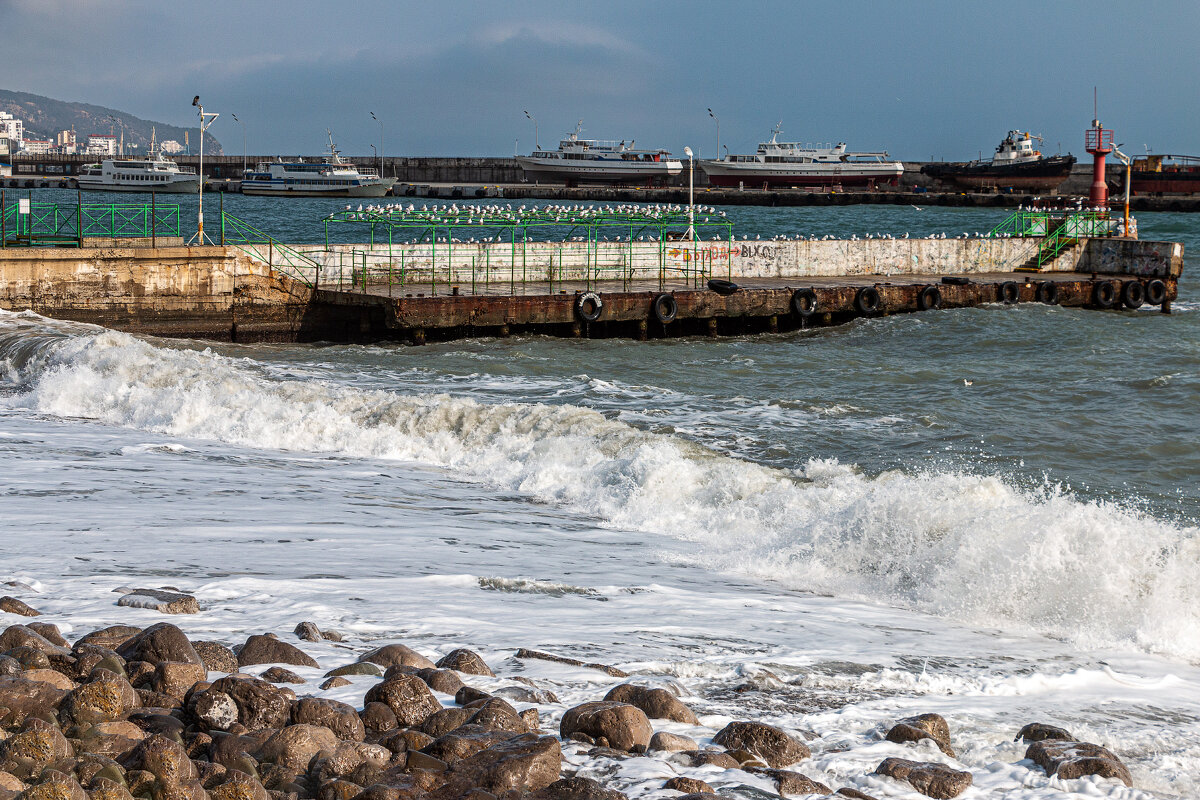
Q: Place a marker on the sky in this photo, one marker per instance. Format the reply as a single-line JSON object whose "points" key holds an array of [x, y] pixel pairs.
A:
{"points": [[941, 79]]}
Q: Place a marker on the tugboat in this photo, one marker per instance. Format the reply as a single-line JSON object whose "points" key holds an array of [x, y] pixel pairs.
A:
{"points": [[599, 161], [1015, 165], [779, 163]]}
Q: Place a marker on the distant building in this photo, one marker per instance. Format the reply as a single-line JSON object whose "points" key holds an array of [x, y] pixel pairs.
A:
{"points": [[99, 144], [11, 127], [171, 147], [65, 142], [37, 147]]}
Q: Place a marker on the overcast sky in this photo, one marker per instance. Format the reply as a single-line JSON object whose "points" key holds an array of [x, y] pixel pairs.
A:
{"points": [[945, 79]]}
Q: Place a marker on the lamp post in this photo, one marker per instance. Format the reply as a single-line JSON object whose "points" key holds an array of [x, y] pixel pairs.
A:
{"points": [[536, 145], [718, 121], [1128, 162], [377, 119], [691, 231], [207, 118], [374, 154], [239, 122]]}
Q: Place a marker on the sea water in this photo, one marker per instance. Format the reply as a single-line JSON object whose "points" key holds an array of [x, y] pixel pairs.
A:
{"points": [[986, 513]]}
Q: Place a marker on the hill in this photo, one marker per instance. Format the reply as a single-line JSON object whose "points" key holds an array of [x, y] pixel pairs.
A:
{"points": [[44, 117]]}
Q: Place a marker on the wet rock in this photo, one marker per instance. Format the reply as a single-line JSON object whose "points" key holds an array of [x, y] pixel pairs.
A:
{"points": [[29, 657], [38, 744], [308, 632], [14, 606], [262, 649], [9, 666], [139, 782], [576, 788], [409, 739], [771, 744], [21, 698], [407, 696], [466, 661], [148, 698], [496, 714], [281, 675], [294, 746], [161, 642], [609, 670], [50, 676], [175, 679], [159, 600], [1070, 760], [260, 704], [526, 695], [89, 656], [338, 790], [469, 694], [151, 722], [164, 758], [24, 636], [924, 726], [109, 739], [104, 698], [110, 638], [55, 785], [348, 757], [847, 791], [703, 758], [10, 786], [671, 742], [930, 779], [378, 717], [49, 632], [139, 673], [108, 789], [357, 668], [441, 680], [616, 725], [464, 741], [657, 703], [1039, 732], [442, 722], [334, 683], [682, 784], [790, 783], [216, 657], [522, 763], [342, 719], [397, 655]]}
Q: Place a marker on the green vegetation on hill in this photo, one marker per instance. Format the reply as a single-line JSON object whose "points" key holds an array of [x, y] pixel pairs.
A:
{"points": [[44, 117]]}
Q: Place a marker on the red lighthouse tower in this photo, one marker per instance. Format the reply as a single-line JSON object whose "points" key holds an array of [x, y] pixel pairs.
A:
{"points": [[1099, 142]]}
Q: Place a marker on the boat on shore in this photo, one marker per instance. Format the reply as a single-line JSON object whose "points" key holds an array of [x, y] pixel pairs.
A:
{"points": [[332, 177], [1160, 174], [1016, 164], [777, 163], [599, 161]]}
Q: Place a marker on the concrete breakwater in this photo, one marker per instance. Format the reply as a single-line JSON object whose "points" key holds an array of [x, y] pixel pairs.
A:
{"points": [[264, 293]]}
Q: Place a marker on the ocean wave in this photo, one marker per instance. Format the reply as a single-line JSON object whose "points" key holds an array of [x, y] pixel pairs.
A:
{"points": [[969, 547]]}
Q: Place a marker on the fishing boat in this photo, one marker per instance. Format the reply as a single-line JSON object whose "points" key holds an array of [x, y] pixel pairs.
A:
{"points": [[777, 163], [155, 173], [332, 177], [599, 161], [1016, 164]]}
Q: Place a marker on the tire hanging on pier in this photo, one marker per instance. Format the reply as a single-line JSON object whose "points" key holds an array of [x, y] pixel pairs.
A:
{"points": [[804, 303], [665, 308], [722, 287], [588, 306], [929, 297], [867, 300], [1047, 292], [1133, 294], [1156, 292], [1104, 294], [1010, 293]]}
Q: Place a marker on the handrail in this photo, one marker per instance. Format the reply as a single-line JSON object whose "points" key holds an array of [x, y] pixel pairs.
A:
{"points": [[57, 224], [251, 241]]}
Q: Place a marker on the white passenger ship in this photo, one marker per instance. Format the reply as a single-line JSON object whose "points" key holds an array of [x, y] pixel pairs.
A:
{"points": [[779, 163], [334, 177], [138, 175], [599, 161]]}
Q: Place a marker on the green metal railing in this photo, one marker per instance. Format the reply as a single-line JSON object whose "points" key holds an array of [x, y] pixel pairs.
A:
{"points": [[24, 223], [1056, 232], [265, 248]]}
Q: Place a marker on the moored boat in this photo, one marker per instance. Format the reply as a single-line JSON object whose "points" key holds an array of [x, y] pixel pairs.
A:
{"points": [[1016, 165], [599, 161], [777, 163], [1166, 174], [333, 177]]}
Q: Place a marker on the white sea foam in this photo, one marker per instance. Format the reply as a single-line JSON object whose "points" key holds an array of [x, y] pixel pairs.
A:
{"points": [[964, 546]]}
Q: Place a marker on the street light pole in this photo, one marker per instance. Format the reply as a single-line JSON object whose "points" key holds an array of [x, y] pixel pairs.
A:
{"points": [[718, 121], [206, 120], [1128, 162], [691, 231], [239, 122], [536, 144], [377, 119]]}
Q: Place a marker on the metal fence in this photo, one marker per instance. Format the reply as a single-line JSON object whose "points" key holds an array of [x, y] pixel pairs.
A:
{"points": [[24, 223]]}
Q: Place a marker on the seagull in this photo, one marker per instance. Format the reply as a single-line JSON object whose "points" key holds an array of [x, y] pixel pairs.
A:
{"points": [[967, 382]]}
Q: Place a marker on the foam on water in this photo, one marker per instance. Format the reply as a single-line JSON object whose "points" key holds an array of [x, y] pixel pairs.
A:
{"points": [[965, 546]]}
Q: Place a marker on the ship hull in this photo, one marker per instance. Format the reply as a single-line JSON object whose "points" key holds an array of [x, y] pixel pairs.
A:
{"points": [[175, 187], [373, 190], [1043, 175], [757, 175], [558, 170], [1163, 182]]}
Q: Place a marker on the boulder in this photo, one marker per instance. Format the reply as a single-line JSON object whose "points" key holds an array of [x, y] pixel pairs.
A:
{"points": [[89, 657], [616, 725], [671, 742], [1070, 760], [336, 682], [657, 703], [164, 758], [407, 696], [23, 636], [239, 786], [55, 785], [110, 638], [923, 726], [308, 632], [771, 744], [1039, 732], [496, 714], [357, 668], [38, 744], [175, 679], [790, 783], [260, 704], [704, 758], [469, 694], [216, 657], [104, 698], [442, 722], [22, 698], [262, 649], [378, 717], [688, 785], [108, 789], [576, 788], [294, 746], [445, 681], [930, 779], [466, 661], [342, 719], [9, 666], [161, 642], [14, 606], [49, 632], [397, 655], [281, 675], [464, 741], [348, 757], [160, 600], [522, 763], [109, 738], [11, 786], [50, 676]]}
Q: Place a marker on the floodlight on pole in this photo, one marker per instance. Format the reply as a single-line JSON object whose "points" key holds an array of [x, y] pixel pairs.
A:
{"points": [[691, 231], [207, 118], [377, 119], [1128, 162], [239, 122], [718, 121], [536, 144]]}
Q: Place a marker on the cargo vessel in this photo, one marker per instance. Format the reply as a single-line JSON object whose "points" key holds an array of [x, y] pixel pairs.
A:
{"points": [[1160, 174], [1015, 165]]}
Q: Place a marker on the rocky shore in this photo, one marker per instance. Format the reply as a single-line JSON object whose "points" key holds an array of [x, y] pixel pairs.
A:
{"points": [[124, 712]]}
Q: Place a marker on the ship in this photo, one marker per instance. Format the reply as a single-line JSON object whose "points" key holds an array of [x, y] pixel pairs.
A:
{"points": [[1015, 165], [332, 177], [1160, 174], [779, 163], [599, 161], [155, 173]]}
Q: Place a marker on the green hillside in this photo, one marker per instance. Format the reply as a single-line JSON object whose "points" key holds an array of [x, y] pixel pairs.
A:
{"points": [[44, 117]]}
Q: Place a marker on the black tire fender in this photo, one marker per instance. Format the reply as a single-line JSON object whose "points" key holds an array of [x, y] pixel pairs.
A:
{"points": [[1156, 292], [1104, 294], [1133, 294], [867, 300], [804, 303], [929, 297], [589, 306], [1047, 292], [665, 308], [722, 287], [1010, 293]]}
